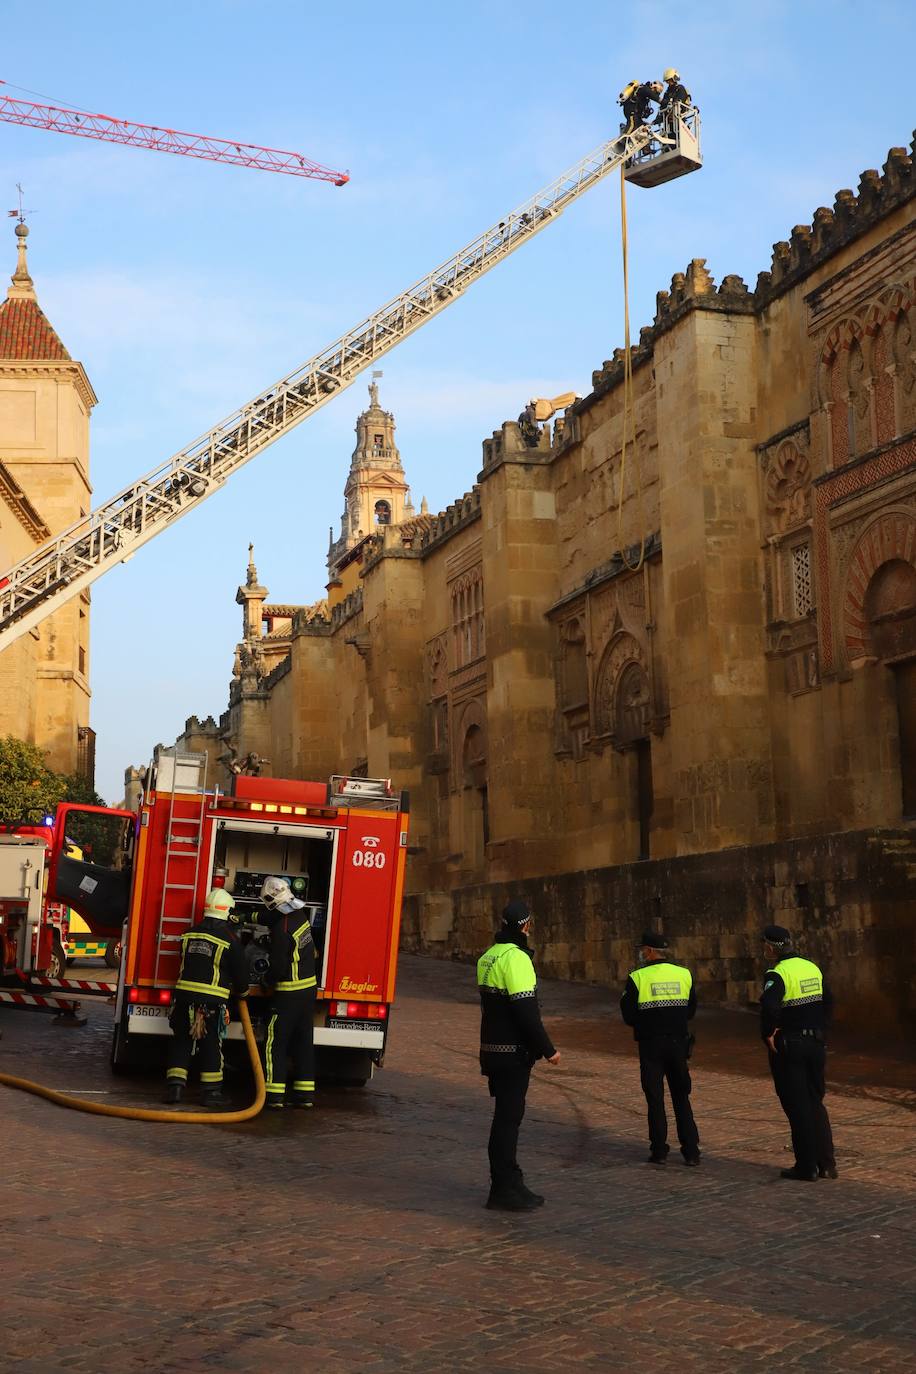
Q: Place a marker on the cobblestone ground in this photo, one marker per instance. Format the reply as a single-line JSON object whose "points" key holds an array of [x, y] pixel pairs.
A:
{"points": [[355, 1235]]}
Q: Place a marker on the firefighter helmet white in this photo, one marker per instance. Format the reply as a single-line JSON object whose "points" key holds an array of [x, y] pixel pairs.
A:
{"points": [[672, 74], [275, 892], [219, 904]]}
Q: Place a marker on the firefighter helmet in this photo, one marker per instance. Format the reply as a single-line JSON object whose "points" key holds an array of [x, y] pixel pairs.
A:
{"points": [[219, 904], [672, 74]]}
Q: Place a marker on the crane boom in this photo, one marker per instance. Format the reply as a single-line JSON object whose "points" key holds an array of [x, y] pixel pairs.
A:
{"points": [[73, 559], [110, 130]]}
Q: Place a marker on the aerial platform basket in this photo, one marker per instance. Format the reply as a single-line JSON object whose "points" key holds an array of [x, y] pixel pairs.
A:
{"points": [[672, 152]]}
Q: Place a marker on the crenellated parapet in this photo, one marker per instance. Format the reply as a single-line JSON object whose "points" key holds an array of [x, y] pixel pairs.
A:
{"points": [[455, 517], [853, 213]]}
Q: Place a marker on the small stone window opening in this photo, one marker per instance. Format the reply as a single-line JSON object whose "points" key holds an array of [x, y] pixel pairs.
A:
{"points": [[382, 513], [802, 594]]}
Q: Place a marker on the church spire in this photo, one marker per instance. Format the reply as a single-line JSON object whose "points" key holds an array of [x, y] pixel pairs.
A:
{"points": [[22, 288]]}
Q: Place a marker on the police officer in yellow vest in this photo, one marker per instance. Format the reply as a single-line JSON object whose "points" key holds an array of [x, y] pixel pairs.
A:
{"points": [[213, 965], [795, 1009], [658, 1001], [293, 977], [512, 1039]]}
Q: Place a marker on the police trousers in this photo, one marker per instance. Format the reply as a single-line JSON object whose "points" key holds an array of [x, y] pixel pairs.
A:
{"points": [[798, 1076], [508, 1088], [664, 1059], [291, 1035], [208, 1051]]}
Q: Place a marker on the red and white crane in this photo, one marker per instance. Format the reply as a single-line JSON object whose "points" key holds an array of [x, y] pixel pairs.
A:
{"points": [[106, 128]]}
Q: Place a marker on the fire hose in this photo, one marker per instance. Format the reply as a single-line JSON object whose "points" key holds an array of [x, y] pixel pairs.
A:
{"points": [[81, 1104]]}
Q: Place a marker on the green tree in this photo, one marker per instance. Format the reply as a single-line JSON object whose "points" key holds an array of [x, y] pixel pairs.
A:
{"points": [[28, 787]]}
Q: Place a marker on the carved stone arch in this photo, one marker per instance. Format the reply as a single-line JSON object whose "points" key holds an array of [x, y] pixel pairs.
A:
{"points": [[632, 705], [623, 651], [889, 539], [472, 744]]}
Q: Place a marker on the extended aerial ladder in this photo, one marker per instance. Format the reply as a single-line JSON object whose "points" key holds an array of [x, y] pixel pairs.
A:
{"points": [[70, 561]]}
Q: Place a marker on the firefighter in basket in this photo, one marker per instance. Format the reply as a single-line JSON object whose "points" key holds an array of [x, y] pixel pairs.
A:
{"points": [[213, 966], [292, 978]]}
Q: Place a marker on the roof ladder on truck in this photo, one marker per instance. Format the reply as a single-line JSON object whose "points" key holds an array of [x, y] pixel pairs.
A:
{"points": [[184, 777]]}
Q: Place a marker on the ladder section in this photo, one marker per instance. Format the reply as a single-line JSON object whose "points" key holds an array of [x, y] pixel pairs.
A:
{"points": [[73, 559], [186, 776]]}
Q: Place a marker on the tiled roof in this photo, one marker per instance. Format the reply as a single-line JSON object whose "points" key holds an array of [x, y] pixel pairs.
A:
{"points": [[26, 333]]}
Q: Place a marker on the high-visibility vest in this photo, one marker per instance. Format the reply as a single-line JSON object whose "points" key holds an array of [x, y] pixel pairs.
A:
{"points": [[662, 985], [803, 981], [302, 941], [505, 968]]}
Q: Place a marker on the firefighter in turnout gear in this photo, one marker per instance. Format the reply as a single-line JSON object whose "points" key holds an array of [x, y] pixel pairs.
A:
{"points": [[291, 1029], [512, 1038], [213, 965], [795, 1009], [658, 1001]]}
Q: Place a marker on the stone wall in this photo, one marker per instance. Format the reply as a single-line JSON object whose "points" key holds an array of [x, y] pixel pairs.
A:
{"points": [[852, 894]]}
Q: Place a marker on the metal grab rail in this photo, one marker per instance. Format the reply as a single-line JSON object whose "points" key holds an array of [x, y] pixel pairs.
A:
{"points": [[69, 562]]}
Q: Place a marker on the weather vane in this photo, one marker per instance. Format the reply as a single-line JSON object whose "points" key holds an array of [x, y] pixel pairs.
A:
{"points": [[19, 214]]}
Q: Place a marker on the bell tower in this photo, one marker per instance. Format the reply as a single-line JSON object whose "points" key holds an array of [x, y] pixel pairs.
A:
{"points": [[376, 493]]}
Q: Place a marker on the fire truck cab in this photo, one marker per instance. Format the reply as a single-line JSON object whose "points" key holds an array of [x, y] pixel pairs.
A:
{"points": [[341, 845]]}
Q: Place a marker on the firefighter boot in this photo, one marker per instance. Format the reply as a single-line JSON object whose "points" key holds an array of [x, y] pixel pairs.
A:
{"points": [[173, 1091], [214, 1097], [505, 1197]]}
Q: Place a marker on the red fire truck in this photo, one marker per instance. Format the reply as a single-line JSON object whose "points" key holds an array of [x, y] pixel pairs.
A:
{"points": [[341, 845]]}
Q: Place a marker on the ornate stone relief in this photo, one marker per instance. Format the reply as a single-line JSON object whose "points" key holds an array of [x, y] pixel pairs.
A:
{"points": [[437, 666], [617, 689], [787, 485]]}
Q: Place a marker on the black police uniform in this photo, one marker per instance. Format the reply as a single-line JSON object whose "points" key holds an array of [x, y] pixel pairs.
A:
{"points": [[660, 1029], [796, 1010], [213, 965], [291, 1028], [512, 1039]]}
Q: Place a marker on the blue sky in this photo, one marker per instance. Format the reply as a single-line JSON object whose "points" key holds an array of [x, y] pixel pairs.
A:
{"points": [[186, 288]]}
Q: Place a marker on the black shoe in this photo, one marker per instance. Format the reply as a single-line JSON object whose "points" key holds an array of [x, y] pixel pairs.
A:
{"points": [[509, 1200], [214, 1098], [275, 1104], [303, 1102], [657, 1159], [800, 1175], [692, 1161], [173, 1091], [827, 1171], [535, 1198]]}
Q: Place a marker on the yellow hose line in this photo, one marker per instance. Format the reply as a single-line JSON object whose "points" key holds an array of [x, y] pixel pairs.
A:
{"points": [[81, 1104], [629, 405]]}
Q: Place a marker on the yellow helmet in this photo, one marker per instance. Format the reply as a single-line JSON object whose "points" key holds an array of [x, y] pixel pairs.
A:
{"points": [[219, 904], [672, 74]]}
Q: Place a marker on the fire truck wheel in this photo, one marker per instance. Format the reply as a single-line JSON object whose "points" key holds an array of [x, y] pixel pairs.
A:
{"points": [[57, 964], [113, 954]]}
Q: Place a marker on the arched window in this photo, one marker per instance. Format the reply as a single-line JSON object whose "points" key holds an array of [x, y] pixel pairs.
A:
{"points": [[382, 513]]}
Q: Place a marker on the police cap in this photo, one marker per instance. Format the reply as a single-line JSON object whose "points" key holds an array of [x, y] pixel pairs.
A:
{"points": [[516, 913], [649, 940], [777, 935]]}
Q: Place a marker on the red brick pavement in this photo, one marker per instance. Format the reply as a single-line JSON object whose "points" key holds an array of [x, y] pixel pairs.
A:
{"points": [[355, 1235]]}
